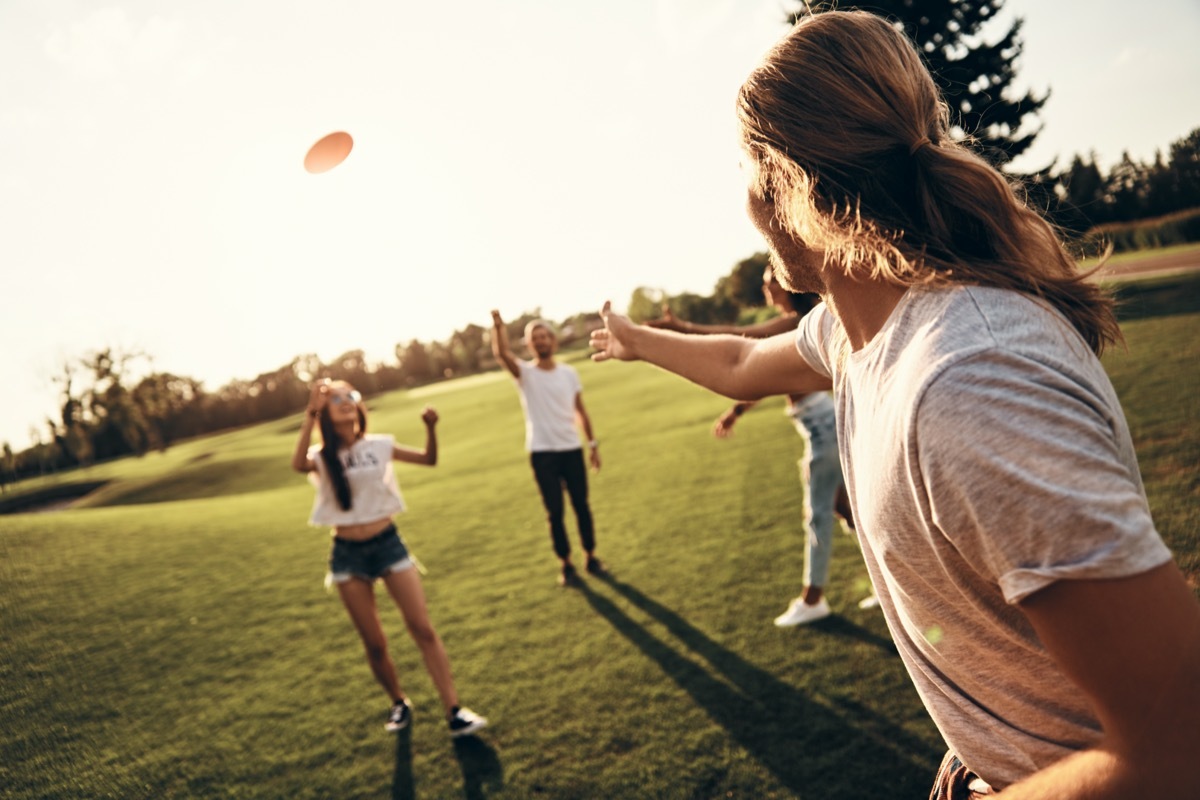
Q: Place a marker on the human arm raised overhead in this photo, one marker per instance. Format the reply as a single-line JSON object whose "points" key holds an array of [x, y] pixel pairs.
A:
{"points": [[500, 347]]}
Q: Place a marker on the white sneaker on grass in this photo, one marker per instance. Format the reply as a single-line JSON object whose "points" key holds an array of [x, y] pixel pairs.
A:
{"points": [[465, 722], [398, 717], [869, 602], [801, 613]]}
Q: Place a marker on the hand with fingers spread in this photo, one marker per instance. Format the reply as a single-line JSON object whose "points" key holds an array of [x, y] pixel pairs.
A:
{"points": [[319, 397], [614, 340], [668, 321]]}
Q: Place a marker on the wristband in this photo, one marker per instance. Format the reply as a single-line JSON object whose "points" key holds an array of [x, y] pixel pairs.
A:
{"points": [[738, 410], [593, 444]]}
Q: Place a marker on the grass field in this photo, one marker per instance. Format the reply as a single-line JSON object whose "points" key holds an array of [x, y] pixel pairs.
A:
{"points": [[170, 636]]}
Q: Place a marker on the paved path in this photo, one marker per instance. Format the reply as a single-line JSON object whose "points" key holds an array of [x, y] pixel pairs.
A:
{"points": [[1154, 263]]}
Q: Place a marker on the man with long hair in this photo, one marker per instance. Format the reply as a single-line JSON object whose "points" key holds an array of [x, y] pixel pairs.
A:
{"points": [[990, 469]]}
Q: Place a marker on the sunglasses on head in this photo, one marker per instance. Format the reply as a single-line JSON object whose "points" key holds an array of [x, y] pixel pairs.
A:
{"points": [[338, 399]]}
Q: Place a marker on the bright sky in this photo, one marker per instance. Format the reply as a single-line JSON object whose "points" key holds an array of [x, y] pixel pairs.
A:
{"points": [[532, 153]]}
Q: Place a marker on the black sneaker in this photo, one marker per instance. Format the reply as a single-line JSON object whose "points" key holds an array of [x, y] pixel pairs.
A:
{"points": [[465, 722], [568, 576], [596, 567], [398, 717]]}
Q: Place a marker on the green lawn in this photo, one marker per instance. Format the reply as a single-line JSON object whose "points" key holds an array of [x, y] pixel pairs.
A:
{"points": [[171, 637]]}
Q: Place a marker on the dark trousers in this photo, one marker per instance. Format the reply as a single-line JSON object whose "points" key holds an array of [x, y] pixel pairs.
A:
{"points": [[553, 470]]}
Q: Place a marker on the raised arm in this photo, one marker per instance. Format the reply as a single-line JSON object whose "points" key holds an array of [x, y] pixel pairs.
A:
{"points": [[1133, 646], [316, 401], [428, 456], [739, 368], [500, 348]]}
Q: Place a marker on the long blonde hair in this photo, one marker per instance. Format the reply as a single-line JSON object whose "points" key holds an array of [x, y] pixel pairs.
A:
{"points": [[850, 139]]}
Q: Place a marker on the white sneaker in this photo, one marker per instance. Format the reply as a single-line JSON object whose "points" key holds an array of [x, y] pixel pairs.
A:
{"points": [[801, 613], [466, 722], [869, 602]]}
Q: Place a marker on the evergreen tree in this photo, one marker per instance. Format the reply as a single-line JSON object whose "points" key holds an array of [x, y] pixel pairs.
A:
{"points": [[974, 76]]}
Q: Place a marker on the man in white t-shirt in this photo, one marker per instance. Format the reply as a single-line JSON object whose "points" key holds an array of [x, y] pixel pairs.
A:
{"points": [[552, 398], [991, 472]]}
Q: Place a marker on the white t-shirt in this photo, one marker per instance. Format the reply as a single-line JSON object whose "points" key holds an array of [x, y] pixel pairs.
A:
{"points": [[374, 493], [986, 456], [548, 397]]}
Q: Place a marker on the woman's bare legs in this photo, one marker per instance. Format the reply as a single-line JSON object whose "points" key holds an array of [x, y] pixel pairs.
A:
{"points": [[358, 597], [405, 588]]}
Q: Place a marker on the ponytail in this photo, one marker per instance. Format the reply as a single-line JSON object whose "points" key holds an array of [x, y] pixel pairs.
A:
{"points": [[848, 136]]}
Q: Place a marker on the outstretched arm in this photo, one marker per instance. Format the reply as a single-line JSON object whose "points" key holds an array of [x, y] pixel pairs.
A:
{"points": [[428, 456], [1133, 646], [760, 330], [500, 348], [316, 401], [739, 368]]}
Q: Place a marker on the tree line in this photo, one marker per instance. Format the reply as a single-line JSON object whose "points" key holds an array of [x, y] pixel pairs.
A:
{"points": [[112, 403]]}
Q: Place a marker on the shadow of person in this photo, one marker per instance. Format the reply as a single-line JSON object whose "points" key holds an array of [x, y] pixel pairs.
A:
{"points": [[838, 625], [480, 765], [809, 746], [402, 777]]}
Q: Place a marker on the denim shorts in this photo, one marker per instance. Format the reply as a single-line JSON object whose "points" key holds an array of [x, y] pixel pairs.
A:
{"points": [[369, 559]]}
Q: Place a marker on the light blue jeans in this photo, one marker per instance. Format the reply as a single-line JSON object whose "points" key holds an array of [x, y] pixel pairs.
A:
{"points": [[821, 474]]}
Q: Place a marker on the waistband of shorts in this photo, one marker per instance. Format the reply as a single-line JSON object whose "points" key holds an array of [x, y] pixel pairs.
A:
{"points": [[376, 539]]}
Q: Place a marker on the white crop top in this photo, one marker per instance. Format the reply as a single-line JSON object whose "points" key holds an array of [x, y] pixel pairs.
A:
{"points": [[374, 493]]}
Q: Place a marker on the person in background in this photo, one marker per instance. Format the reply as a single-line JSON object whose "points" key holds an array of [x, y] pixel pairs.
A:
{"points": [[820, 467], [552, 398]]}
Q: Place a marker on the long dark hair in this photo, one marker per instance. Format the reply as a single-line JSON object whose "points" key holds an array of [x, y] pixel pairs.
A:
{"points": [[848, 135], [330, 442]]}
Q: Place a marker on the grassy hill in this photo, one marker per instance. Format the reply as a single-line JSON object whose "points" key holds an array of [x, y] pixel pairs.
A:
{"points": [[169, 636]]}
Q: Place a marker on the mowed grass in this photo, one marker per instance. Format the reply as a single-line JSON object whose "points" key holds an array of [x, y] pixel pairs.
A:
{"points": [[170, 637]]}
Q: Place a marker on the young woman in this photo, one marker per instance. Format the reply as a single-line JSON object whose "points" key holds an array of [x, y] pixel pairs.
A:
{"points": [[357, 495], [820, 468]]}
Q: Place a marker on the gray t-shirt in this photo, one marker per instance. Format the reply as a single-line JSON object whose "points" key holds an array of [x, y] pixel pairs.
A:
{"points": [[986, 456]]}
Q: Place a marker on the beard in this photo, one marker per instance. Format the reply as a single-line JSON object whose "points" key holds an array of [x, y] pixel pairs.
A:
{"points": [[798, 275]]}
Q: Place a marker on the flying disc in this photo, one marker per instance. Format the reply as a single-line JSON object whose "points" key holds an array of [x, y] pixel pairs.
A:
{"points": [[328, 152]]}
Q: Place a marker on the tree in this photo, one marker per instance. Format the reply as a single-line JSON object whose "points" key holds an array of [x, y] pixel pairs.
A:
{"points": [[7, 467], [1185, 170], [645, 303], [743, 287], [975, 76]]}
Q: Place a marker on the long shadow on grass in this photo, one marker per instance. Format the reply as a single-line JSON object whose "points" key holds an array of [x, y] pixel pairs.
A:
{"points": [[1158, 297], [480, 767], [807, 746], [402, 778]]}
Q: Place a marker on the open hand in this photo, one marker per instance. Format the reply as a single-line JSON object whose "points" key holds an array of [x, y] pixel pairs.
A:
{"points": [[615, 338], [723, 428], [667, 321], [319, 397]]}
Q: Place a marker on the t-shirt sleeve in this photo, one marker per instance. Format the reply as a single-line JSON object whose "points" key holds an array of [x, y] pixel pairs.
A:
{"points": [[812, 336], [385, 444], [314, 476], [1022, 472]]}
